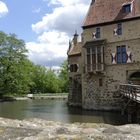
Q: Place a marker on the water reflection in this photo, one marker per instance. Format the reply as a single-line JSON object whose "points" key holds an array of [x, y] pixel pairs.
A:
{"points": [[56, 110]]}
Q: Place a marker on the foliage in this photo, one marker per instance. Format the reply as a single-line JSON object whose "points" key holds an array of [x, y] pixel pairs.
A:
{"points": [[18, 75], [52, 82], [12, 58], [46, 81], [64, 76]]}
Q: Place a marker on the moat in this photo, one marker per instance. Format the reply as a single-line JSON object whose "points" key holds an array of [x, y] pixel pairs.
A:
{"points": [[57, 110]]}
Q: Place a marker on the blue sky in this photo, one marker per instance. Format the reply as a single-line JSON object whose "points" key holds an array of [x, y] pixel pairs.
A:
{"points": [[45, 25], [21, 15]]}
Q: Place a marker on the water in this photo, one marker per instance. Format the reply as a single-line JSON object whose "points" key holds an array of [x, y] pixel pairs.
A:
{"points": [[57, 110]]}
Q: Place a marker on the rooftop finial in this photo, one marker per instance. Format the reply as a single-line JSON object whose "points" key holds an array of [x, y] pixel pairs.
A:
{"points": [[75, 37], [75, 33]]}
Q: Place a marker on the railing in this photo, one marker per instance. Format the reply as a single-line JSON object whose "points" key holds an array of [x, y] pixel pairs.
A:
{"points": [[94, 67], [130, 91]]}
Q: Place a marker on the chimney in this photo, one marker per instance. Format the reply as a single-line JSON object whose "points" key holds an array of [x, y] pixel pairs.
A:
{"points": [[75, 38]]}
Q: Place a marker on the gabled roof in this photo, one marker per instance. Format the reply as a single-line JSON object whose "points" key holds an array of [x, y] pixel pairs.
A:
{"points": [[104, 11], [74, 46], [75, 49]]}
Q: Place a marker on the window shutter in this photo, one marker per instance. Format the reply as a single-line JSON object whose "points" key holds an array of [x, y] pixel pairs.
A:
{"points": [[94, 35], [129, 57], [113, 58], [77, 67], [115, 32]]}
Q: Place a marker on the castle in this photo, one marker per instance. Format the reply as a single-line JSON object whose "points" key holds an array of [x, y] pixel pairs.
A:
{"points": [[108, 54]]}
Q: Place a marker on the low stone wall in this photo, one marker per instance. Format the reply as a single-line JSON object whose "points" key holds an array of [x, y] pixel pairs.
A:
{"points": [[47, 96], [36, 129]]}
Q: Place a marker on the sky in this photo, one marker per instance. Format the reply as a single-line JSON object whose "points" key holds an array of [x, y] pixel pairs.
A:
{"points": [[46, 26]]}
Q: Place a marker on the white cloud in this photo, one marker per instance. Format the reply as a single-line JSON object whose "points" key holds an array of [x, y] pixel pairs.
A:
{"points": [[55, 29], [51, 49], [65, 19], [56, 42], [3, 9]]}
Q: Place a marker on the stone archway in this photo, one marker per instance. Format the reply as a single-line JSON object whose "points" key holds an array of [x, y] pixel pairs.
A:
{"points": [[135, 78]]}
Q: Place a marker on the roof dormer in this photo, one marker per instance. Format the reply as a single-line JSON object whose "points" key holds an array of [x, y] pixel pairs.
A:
{"points": [[127, 7]]}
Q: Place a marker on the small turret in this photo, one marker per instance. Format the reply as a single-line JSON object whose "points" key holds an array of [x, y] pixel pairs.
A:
{"points": [[75, 38]]}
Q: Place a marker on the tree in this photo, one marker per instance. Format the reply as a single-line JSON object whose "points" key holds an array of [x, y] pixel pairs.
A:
{"points": [[45, 81], [64, 76], [39, 79], [20, 76], [52, 82], [13, 73]]}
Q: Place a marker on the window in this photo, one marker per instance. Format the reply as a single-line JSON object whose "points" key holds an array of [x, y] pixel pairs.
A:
{"points": [[98, 33], [121, 54], [94, 58], [88, 56], [127, 8], [73, 68], [119, 29], [100, 82]]}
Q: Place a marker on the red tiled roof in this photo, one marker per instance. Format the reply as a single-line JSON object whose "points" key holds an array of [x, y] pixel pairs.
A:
{"points": [[103, 11]]}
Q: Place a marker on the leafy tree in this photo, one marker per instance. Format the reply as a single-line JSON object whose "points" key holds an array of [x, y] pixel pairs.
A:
{"points": [[52, 83], [20, 76], [13, 77], [64, 76], [39, 79], [45, 81]]}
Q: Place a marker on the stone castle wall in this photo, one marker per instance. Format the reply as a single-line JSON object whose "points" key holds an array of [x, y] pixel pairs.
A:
{"points": [[100, 91], [75, 82], [75, 91], [107, 96]]}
